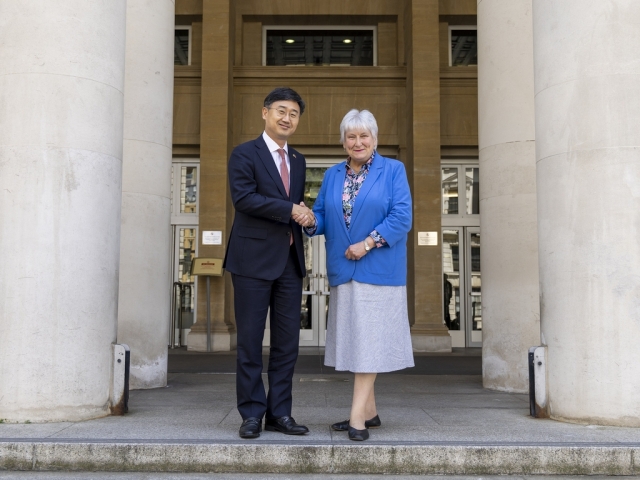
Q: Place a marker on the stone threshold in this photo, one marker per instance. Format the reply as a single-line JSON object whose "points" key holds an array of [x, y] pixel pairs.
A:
{"points": [[434, 458]]}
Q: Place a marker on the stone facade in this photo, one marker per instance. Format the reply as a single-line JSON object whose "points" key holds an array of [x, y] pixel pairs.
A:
{"points": [[549, 116]]}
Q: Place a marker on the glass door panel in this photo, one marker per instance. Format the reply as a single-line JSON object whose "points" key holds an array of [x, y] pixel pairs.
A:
{"points": [[472, 179], [184, 193], [315, 292], [462, 299], [460, 194], [312, 184], [453, 300], [315, 295], [184, 286], [449, 190], [324, 292], [188, 188], [307, 310], [184, 223], [474, 287]]}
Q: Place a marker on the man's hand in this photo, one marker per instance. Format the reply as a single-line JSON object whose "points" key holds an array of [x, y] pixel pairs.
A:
{"points": [[302, 215]]}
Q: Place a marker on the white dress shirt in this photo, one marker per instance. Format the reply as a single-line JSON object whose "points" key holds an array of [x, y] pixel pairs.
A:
{"points": [[273, 148]]}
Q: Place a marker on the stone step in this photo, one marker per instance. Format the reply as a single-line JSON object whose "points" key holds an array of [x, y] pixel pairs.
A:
{"points": [[439, 458]]}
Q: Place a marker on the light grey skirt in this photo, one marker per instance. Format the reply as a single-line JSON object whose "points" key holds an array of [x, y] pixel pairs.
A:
{"points": [[368, 329]]}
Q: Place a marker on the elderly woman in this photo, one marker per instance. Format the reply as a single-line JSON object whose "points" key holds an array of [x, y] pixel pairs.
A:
{"points": [[364, 211]]}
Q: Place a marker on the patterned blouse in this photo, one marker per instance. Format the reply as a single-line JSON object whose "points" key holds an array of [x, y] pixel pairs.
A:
{"points": [[352, 182]]}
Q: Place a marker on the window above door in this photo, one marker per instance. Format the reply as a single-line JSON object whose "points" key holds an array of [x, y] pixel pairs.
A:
{"points": [[463, 46], [319, 45], [182, 45]]}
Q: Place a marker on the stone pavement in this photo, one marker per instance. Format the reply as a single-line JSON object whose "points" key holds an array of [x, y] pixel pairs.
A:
{"points": [[432, 424], [261, 476]]}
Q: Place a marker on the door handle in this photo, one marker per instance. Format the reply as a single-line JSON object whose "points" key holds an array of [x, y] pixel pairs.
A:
{"points": [[472, 294]]}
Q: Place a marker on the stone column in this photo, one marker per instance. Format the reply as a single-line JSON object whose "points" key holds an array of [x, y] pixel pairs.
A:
{"points": [[428, 331], [587, 103], [509, 254], [216, 127], [61, 120], [145, 249]]}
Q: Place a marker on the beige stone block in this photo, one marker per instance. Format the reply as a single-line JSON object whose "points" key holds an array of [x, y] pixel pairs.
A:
{"points": [[430, 343], [220, 341], [458, 7], [188, 7]]}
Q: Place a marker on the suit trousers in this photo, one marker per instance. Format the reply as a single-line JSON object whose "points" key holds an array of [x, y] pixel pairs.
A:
{"points": [[252, 299]]}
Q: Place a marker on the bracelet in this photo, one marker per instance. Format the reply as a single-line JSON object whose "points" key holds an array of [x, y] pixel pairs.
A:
{"points": [[366, 246]]}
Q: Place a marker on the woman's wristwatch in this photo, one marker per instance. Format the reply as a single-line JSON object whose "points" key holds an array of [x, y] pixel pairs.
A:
{"points": [[366, 245]]}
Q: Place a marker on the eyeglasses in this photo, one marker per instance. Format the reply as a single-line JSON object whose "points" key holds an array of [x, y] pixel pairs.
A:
{"points": [[281, 113]]}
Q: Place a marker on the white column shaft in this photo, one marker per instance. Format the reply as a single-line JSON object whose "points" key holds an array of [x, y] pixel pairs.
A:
{"points": [[61, 120], [510, 305], [587, 73], [145, 266]]}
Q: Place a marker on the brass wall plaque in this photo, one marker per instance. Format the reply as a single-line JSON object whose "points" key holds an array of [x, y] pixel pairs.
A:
{"points": [[207, 266]]}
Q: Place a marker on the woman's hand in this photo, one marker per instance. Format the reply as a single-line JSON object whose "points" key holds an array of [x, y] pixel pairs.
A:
{"points": [[355, 251]]}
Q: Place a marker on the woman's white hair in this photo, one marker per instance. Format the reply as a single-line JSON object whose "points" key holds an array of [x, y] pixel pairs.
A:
{"points": [[359, 120]]}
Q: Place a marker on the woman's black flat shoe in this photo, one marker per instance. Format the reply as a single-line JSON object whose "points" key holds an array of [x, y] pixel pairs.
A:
{"points": [[344, 426], [358, 435]]}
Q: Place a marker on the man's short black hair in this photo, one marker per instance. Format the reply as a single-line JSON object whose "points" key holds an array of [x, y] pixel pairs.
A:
{"points": [[284, 93]]}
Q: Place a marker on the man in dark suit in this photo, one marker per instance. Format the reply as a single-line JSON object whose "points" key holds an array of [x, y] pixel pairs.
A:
{"points": [[266, 260]]}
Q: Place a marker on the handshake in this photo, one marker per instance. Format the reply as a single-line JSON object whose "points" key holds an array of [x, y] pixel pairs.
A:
{"points": [[302, 215]]}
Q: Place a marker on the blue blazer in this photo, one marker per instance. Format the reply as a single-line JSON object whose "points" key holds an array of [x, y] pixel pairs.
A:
{"points": [[384, 204]]}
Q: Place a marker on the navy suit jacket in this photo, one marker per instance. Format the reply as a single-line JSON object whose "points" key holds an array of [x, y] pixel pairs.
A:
{"points": [[258, 244]]}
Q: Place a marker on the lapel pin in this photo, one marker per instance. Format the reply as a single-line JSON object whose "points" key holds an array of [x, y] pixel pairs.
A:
{"points": [[294, 156]]}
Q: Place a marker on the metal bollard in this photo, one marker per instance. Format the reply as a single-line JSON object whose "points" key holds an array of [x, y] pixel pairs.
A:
{"points": [[538, 394], [119, 395]]}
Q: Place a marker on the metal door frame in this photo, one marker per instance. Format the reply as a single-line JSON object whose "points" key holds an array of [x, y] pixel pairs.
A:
{"points": [[175, 264], [318, 284], [183, 220], [319, 291], [468, 231], [462, 219], [464, 266], [462, 283]]}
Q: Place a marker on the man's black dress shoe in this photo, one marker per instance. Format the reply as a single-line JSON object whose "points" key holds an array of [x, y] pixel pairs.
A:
{"points": [[344, 426], [251, 428], [358, 435], [286, 425]]}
